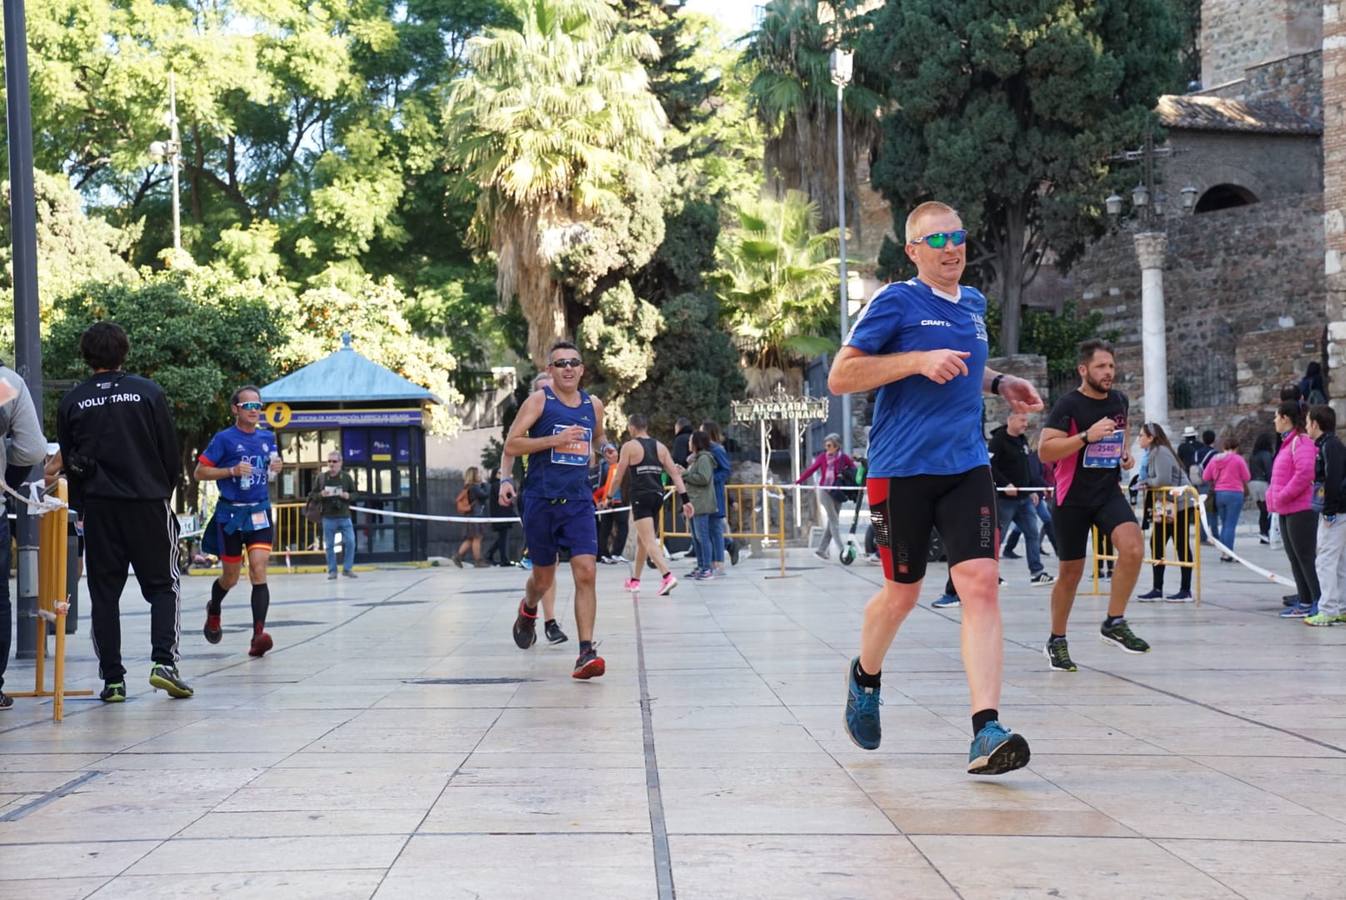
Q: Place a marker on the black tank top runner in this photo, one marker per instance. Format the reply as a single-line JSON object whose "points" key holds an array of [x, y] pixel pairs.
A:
{"points": [[646, 474]]}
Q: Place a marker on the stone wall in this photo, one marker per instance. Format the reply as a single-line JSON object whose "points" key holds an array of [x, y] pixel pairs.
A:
{"points": [[1228, 273], [1334, 192], [1271, 166], [1239, 34], [1296, 81]]}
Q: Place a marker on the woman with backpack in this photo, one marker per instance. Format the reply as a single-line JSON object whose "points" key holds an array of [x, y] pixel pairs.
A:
{"points": [[1290, 496], [471, 501], [1228, 476], [837, 471]]}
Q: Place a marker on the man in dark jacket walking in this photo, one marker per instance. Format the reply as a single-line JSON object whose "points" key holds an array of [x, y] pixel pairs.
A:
{"points": [[1328, 474], [1009, 467], [121, 453]]}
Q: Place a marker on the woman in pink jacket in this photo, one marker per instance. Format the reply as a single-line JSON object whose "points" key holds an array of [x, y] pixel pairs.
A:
{"points": [[1228, 473], [1290, 496], [835, 467]]}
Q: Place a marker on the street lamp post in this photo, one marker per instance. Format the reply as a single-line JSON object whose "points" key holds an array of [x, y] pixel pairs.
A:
{"points": [[841, 65], [170, 151], [1151, 247]]}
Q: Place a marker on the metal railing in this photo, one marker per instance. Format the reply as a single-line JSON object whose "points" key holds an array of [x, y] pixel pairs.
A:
{"points": [[294, 534], [746, 516], [1174, 519]]}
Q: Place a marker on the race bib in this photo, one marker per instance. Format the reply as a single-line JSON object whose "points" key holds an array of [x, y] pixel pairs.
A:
{"points": [[1105, 454], [574, 453], [260, 521]]}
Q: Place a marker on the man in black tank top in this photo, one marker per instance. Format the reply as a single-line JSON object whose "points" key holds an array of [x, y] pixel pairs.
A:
{"points": [[646, 459]]}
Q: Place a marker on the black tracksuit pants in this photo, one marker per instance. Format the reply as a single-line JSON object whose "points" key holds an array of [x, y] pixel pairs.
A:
{"points": [[144, 535]]}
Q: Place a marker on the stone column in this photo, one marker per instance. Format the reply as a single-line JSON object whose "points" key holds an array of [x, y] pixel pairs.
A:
{"points": [[1334, 195], [1151, 248]]}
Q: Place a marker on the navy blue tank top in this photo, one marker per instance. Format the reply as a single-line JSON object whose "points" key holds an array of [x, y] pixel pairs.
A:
{"points": [[562, 473]]}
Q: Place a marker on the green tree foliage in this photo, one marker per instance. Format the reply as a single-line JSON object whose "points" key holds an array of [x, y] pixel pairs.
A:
{"points": [[1010, 111], [697, 373], [557, 133], [1054, 336], [777, 281], [221, 337]]}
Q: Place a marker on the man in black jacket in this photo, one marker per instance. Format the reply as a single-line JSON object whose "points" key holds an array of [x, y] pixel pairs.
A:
{"points": [[1329, 471], [121, 455], [1009, 467]]}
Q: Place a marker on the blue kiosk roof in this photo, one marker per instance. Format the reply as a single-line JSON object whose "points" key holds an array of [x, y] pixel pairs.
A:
{"points": [[344, 377]]}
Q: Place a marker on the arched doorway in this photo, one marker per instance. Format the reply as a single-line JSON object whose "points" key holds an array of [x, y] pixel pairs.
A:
{"points": [[1225, 196]]}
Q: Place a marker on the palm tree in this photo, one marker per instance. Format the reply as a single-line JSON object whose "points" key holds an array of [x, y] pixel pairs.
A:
{"points": [[551, 121], [794, 98], [777, 281]]}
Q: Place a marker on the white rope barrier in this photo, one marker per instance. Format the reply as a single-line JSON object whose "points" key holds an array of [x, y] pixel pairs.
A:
{"points": [[468, 520], [1252, 567]]}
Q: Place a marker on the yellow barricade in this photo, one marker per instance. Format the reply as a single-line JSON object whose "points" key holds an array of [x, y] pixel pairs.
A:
{"points": [[1176, 524], [53, 602], [294, 533], [745, 516]]}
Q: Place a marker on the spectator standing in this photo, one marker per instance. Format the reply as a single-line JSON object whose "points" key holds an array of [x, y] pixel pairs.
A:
{"points": [[1259, 470], [499, 552], [723, 470], [1171, 513], [612, 527], [22, 445], [700, 480], [471, 501], [831, 465], [334, 489], [1290, 497], [1312, 388], [682, 441], [1009, 467], [1228, 476], [1329, 473]]}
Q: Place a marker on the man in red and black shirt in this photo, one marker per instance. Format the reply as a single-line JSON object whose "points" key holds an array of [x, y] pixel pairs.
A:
{"points": [[1086, 437]]}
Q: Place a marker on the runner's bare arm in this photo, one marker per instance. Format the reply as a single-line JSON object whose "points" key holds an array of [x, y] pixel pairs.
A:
{"points": [[518, 443], [599, 437], [1056, 444], [666, 459], [854, 371], [204, 472], [625, 459]]}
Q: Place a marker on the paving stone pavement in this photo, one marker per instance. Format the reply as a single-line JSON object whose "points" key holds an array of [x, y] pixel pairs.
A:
{"points": [[396, 744]]}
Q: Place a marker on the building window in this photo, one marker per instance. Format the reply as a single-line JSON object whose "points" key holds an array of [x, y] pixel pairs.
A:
{"points": [[1225, 196]]}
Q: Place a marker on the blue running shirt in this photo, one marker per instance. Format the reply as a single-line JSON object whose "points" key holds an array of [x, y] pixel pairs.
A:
{"points": [[230, 447], [923, 428], [562, 473]]}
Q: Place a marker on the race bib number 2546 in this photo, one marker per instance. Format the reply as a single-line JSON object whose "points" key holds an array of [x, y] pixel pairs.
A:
{"points": [[574, 453]]}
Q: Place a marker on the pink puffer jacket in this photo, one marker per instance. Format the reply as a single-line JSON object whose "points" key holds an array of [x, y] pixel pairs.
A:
{"points": [[1291, 488]]}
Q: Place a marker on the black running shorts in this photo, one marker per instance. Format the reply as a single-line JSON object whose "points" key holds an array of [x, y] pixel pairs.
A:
{"points": [[1075, 523], [646, 506], [903, 510]]}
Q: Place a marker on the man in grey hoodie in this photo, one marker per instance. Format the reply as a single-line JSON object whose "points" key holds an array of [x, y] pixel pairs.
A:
{"points": [[23, 446]]}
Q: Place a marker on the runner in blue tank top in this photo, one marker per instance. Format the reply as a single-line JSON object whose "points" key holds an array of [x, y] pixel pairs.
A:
{"points": [[557, 428], [923, 344]]}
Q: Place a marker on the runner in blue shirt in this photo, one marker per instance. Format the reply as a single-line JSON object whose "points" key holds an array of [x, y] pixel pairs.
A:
{"points": [[923, 344], [242, 458], [557, 428]]}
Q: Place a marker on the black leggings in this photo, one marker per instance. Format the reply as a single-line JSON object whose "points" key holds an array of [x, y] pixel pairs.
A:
{"points": [[1160, 534], [612, 531], [500, 547], [1299, 532]]}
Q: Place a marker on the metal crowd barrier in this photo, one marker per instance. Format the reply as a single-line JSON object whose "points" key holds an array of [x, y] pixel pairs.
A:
{"points": [[53, 603], [294, 534], [1169, 523], [746, 516]]}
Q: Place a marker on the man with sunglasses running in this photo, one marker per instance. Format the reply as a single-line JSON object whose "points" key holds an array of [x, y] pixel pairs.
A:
{"points": [[242, 458], [923, 344], [556, 428]]}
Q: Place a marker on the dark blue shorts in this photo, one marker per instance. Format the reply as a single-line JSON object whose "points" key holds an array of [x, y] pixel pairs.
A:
{"points": [[549, 525]]}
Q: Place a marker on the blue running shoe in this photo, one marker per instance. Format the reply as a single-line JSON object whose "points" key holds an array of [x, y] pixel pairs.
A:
{"points": [[1298, 611], [996, 750], [946, 600], [862, 712], [526, 564]]}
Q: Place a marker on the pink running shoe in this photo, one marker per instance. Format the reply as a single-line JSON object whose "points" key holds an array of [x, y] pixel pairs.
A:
{"points": [[632, 585], [668, 584]]}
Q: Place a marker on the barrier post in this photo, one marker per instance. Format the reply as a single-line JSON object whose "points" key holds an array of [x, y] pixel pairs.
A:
{"points": [[53, 605], [781, 538]]}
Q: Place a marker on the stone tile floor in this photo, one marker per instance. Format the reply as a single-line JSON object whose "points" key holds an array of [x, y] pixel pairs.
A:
{"points": [[358, 760]]}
